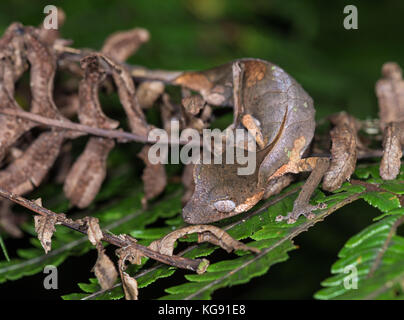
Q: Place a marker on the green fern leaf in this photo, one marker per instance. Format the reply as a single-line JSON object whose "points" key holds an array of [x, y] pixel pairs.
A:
{"points": [[377, 255]]}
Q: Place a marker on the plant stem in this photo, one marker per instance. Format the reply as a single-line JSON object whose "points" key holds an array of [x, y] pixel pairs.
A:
{"points": [[180, 262]]}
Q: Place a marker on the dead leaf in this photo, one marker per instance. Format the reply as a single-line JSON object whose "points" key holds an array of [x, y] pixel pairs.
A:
{"points": [[122, 44], [129, 285], [206, 233], [343, 152], [393, 141], [28, 171], [127, 96], [94, 231], [193, 104], [104, 270], [85, 177], [148, 92], [390, 93], [154, 176], [90, 112], [12, 65], [45, 227], [132, 255]]}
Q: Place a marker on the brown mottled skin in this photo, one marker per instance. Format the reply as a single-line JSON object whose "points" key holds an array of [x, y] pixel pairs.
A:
{"points": [[285, 112]]}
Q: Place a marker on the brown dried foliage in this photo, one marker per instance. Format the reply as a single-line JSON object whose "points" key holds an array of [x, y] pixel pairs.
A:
{"points": [[206, 233], [390, 93], [243, 85], [154, 176], [343, 151], [40, 50]]}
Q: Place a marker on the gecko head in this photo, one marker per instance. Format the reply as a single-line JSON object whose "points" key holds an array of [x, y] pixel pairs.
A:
{"points": [[220, 193], [198, 212], [206, 208]]}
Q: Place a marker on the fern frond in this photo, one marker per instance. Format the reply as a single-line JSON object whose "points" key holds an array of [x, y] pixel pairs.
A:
{"points": [[274, 239], [376, 253]]}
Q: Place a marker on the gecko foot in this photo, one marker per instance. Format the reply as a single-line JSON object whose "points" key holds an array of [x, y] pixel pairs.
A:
{"points": [[305, 210]]}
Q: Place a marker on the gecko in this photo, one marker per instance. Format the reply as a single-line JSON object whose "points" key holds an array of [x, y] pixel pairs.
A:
{"points": [[269, 101]]}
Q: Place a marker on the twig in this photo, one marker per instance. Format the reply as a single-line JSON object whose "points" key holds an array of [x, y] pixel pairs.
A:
{"points": [[121, 136], [180, 262], [74, 55]]}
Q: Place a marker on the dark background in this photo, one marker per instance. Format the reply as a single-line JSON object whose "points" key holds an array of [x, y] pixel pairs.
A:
{"points": [[337, 67]]}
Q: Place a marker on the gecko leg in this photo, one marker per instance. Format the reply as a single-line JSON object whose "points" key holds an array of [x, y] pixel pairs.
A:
{"points": [[301, 205]]}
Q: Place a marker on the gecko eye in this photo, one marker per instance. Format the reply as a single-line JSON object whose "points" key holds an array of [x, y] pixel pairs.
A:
{"points": [[224, 206]]}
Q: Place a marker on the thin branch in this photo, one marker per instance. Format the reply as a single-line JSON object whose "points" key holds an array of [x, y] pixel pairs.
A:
{"points": [[120, 135], [180, 262], [69, 55], [71, 245]]}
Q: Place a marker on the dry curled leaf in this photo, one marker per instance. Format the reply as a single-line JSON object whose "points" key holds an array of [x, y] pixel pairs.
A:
{"points": [[206, 233], [343, 152], [85, 178], [393, 141], [169, 112], [193, 104], [129, 285], [104, 270], [94, 231], [191, 114], [122, 44], [30, 169], [154, 176], [148, 92], [43, 62], [390, 93], [42, 72], [12, 65], [90, 112], [128, 253], [45, 227], [127, 96]]}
